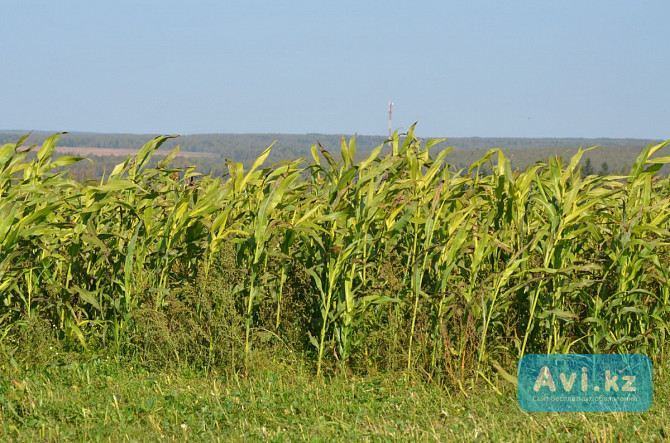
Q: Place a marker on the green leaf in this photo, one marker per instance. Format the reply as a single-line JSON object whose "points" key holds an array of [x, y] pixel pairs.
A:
{"points": [[87, 296], [68, 160], [143, 157], [48, 147], [170, 157]]}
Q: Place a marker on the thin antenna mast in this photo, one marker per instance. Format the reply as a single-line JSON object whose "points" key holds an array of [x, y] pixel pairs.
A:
{"points": [[390, 123], [390, 118]]}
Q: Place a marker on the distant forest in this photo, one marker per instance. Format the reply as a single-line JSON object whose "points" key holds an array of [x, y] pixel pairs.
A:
{"points": [[613, 155]]}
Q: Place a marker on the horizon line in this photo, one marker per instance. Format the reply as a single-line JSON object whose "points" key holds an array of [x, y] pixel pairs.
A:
{"points": [[42, 131]]}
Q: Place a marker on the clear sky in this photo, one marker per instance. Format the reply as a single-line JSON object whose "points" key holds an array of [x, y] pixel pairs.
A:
{"points": [[535, 68]]}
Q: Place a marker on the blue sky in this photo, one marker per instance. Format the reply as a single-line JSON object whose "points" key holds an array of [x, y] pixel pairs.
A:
{"points": [[533, 68]]}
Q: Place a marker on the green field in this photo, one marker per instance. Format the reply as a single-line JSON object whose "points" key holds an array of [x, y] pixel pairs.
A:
{"points": [[330, 297], [97, 399]]}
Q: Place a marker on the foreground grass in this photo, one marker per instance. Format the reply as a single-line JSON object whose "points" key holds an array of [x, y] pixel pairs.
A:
{"points": [[106, 400]]}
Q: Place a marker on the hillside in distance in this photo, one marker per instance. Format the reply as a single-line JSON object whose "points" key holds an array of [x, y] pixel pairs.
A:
{"points": [[210, 151]]}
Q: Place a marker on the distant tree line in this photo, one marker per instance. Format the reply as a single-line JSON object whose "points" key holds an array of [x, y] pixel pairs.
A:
{"points": [[613, 156]]}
